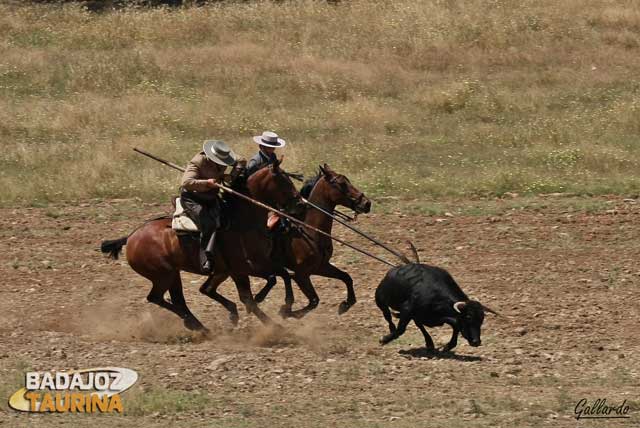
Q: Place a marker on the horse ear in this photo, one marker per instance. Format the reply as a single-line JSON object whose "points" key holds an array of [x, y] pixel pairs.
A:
{"points": [[322, 170], [327, 169]]}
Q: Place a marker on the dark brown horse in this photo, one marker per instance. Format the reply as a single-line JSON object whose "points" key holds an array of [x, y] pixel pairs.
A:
{"points": [[244, 249], [307, 252]]}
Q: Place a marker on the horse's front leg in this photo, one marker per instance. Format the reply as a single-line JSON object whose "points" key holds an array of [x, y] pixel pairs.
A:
{"points": [[262, 294], [243, 285], [305, 285], [210, 287], [330, 271], [285, 310]]}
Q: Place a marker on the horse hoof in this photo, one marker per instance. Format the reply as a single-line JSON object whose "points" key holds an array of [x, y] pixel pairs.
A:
{"points": [[344, 307], [234, 318], [297, 314], [285, 312], [194, 325], [202, 335], [275, 328]]}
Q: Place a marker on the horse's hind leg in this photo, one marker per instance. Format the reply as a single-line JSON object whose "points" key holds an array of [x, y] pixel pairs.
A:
{"points": [[210, 289], [178, 306], [177, 298]]}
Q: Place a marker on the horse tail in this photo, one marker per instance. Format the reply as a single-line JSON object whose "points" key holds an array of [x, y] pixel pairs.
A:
{"points": [[113, 246]]}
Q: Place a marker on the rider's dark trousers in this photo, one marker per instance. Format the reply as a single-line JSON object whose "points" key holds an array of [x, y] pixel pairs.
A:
{"points": [[204, 210]]}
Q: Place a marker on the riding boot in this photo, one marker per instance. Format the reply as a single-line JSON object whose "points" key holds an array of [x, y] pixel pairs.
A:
{"points": [[208, 253]]}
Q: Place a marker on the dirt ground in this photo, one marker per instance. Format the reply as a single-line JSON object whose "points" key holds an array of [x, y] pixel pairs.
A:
{"points": [[563, 275]]}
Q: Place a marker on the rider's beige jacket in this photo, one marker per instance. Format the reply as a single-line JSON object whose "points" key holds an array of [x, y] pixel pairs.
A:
{"points": [[198, 171]]}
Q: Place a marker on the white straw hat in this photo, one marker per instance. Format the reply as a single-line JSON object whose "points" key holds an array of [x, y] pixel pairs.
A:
{"points": [[269, 139]]}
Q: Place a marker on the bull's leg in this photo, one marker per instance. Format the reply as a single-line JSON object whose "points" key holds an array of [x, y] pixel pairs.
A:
{"points": [[330, 271], [427, 339], [387, 314], [209, 288], [453, 342], [405, 318]]}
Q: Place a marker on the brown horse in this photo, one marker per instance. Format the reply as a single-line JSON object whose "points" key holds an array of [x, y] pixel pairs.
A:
{"points": [[156, 252], [307, 252]]}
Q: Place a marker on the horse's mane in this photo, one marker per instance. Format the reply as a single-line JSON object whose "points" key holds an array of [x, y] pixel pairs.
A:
{"points": [[308, 185]]}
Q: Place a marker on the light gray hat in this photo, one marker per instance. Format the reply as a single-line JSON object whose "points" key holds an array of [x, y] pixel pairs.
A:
{"points": [[219, 152], [269, 139]]}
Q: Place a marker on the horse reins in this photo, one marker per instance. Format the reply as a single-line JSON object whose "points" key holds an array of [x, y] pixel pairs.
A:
{"points": [[334, 184]]}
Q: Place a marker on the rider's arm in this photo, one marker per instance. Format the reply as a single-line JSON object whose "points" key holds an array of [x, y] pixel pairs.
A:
{"points": [[239, 169], [252, 166], [192, 179]]}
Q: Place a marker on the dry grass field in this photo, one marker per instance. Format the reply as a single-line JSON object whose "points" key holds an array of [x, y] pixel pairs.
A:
{"points": [[411, 97], [501, 136]]}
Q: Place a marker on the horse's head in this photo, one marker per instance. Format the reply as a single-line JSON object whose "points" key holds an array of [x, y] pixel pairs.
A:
{"points": [[342, 192], [272, 186]]}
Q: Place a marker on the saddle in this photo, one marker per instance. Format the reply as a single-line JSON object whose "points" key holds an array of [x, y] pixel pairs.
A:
{"points": [[183, 224]]}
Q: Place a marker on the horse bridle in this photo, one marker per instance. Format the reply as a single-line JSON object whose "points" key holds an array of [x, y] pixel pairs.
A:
{"points": [[355, 202]]}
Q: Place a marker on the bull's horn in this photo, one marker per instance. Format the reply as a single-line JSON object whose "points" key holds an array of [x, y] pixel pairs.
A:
{"points": [[490, 310], [458, 306], [414, 251]]}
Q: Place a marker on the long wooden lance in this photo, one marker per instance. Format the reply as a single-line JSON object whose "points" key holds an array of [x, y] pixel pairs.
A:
{"points": [[359, 232], [267, 207], [172, 165]]}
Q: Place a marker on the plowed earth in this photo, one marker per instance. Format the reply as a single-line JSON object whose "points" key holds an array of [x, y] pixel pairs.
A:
{"points": [[564, 280]]}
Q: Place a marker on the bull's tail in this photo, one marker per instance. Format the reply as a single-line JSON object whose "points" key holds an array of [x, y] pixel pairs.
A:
{"points": [[113, 246]]}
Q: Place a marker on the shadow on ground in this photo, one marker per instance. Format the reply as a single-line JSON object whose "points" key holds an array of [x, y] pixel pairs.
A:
{"points": [[436, 355]]}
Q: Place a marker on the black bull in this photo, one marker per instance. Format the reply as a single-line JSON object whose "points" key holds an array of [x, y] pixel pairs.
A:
{"points": [[430, 297]]}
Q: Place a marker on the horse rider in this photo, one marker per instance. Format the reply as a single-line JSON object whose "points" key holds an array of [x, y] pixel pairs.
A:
{"points": [[199, 194], [268, 142]]}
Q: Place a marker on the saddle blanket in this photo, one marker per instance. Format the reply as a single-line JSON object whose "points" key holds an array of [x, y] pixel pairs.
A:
{"points": [[181, 221]]}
